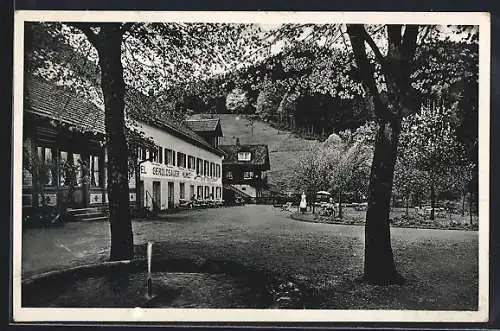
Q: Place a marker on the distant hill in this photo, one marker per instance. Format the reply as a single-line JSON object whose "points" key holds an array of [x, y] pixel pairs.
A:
{"points": [[284, 147]]}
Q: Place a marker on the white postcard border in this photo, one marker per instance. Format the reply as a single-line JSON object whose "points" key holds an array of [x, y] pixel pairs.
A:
{"points": [[254, 315]]}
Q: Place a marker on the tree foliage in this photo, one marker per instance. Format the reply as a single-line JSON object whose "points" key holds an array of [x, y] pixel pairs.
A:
{"points": [[382, 73]]}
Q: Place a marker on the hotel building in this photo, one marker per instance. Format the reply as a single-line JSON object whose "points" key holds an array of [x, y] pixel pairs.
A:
{"points": [[61, 129]]}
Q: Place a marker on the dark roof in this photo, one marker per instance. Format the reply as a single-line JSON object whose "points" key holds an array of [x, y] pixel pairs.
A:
{"points": [[145, 109], [48, 100], [260, 155], [206, 125]]}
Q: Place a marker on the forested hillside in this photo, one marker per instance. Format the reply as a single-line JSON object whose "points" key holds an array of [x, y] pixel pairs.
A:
{"points": [[285, 148]]}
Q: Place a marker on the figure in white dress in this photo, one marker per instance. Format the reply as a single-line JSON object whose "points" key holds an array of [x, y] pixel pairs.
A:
{"points": [[303, 203]]}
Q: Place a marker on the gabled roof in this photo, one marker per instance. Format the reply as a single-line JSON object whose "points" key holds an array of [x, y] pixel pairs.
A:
{"points": [[259, 155], [144, 109], [206, 125], [46, 99]]}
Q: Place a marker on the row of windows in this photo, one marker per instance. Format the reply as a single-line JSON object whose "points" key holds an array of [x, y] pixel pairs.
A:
{"points": [[58, 167], [202, 192], [246, 175], [170, 157]]}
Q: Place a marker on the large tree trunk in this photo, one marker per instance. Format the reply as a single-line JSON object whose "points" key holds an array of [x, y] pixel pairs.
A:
{"points": [[433, 201], [407, 203], [341, 213], [138, 196], [113, 88], [399, 102], [470, 207], [379, 261], [463, 203]]}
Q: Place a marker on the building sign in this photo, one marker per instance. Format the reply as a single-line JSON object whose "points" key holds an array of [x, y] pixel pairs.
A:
{"points": [[131, 197], [96, 198], [50, 199], [159, 171]]}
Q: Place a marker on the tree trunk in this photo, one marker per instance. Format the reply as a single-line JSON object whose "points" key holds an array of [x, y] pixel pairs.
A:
{"points": [[407, 206], [463, 203], [396, 66], [433, 201], [341, 213], [113, 89], [138, 197], [379, 265], [470, 208]]}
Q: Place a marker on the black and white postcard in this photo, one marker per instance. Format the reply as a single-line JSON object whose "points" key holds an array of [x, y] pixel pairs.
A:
{"points": [[250, 166]]}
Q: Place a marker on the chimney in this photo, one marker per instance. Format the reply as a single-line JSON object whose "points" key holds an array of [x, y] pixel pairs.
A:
{"points": [[238, 142]]}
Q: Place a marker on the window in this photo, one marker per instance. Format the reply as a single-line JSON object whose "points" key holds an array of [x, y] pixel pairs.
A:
{"points": [[191, 162], [199, 166], [169, 156], [247, 174], [181, 159], [212, 169], [63, 156], [217, 193], [229, 174], [155, 154], [207, 192], [212, 195], [205, 168], [46, 173], [147, 155], [77, 162], [159, 154], [244, 156], [94, 171], [191, 191], [217, 170], [141, 153], [200, 192], [182, 191]]}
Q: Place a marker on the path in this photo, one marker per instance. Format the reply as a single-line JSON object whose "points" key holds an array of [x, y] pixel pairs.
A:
{"points": [[441, 262]]}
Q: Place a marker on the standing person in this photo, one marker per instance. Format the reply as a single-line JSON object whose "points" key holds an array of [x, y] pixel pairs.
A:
{"points": [[303, 203]]}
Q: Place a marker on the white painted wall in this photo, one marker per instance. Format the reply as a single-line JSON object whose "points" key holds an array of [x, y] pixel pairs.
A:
{"points": [[163, 173]]}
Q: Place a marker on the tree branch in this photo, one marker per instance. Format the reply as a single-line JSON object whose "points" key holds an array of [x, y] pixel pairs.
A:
{"points": [[409, 43], [369, 40], [356, 34], [394, 34], [87, 31]]}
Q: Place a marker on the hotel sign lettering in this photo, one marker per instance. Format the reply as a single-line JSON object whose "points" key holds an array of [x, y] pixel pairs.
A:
{"points": [[156, 170]]}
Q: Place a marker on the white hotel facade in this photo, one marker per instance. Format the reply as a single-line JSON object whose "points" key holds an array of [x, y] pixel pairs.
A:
{"points": [[184, 166]]}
